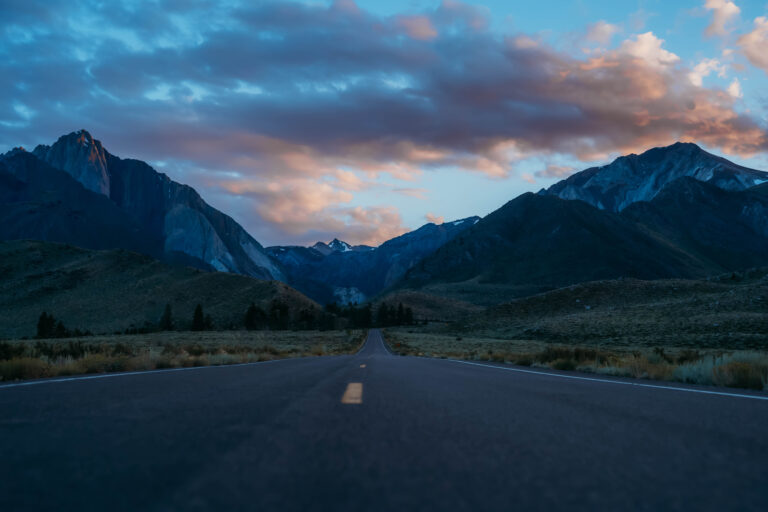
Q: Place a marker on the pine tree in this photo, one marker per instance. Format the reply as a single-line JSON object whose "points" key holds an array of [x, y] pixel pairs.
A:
{"points": [[46, 326], [208, 323], [366, 319], [408, 316], [198, 319], [279, 316], [383, 317], [400, 314], [255, 318], [166, 321], [60, 331]]}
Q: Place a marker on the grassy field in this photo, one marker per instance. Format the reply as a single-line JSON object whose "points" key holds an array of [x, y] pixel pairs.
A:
{"points": [[107, 292], [727, 312], [32, 359], [714, 367]]}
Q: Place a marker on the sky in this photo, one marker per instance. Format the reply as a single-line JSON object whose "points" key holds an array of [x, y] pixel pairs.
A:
{"points": [[311, 120]]}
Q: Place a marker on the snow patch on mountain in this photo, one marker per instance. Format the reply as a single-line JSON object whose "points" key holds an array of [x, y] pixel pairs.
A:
{"points": [[633, 178]]}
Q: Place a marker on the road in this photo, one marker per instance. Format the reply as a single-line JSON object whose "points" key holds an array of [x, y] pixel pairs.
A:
{"points": [[408, 434]]}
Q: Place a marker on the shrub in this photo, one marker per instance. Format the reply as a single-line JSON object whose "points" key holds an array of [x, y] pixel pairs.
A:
{"points": [[122, 350], [24, 368], [564, 364], [10, 350], [171, 350], [163, 363], [696, 372], [195, 350], [739, 374]]}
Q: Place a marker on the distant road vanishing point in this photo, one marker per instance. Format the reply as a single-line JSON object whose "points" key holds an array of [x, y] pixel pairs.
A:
{"points": [[378, 432]]}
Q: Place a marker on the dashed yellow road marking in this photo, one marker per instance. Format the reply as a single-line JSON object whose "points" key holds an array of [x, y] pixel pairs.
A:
{"points": [[353, 394]]}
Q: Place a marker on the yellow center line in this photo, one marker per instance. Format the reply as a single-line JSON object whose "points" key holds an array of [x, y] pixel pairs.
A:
{"points": [[353, 394]]}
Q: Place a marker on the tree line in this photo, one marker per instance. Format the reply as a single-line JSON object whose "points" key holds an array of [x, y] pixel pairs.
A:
{"points": [[386, 315], [49, 327], [276, 316]]}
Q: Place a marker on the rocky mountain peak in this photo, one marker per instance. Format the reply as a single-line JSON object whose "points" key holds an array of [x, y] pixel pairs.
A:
{"points": [[82, 157], [633, 178], [339, 245], [14, 151]]}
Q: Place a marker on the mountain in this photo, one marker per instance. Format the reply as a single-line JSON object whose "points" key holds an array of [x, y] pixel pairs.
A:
{"points": [[690, 229], [172, 219], [633, 178], [723, 230], [536, 243], [348, 274], [108, 291], [43, 203], [339, 246]]}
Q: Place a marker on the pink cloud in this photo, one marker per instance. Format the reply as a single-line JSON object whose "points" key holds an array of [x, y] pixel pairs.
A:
{"points": [[417, 27], [434, 219], [754, 44]]}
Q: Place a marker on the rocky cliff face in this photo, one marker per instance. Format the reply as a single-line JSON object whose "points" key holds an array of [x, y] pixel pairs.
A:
{"points": [[633, 178], [190, 230], [81, 157]]}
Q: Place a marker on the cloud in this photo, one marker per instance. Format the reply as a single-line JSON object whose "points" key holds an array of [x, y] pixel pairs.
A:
{"points": [[648, 48], [601, 32], [705, 68], [306, 211], [418, 193], [434, 219], [555, 171], [723, 11], [754, 44], [281, 112], [417, 27], [734, 89]]}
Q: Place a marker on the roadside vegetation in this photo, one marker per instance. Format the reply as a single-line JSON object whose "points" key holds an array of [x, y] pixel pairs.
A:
{"points": [[55, 357], [711, 367]]}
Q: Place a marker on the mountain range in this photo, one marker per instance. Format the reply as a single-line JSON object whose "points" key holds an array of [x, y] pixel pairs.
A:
{"points": [[693, 215], [676, 211], [338, 272]]}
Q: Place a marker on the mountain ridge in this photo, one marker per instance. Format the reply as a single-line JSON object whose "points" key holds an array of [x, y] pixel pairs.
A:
{"points": [[189, 228], [633, 178], [361, 272], [539, 242]]}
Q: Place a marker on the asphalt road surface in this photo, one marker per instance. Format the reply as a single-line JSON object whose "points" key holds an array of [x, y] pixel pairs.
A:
{"points": [[375, 431]]}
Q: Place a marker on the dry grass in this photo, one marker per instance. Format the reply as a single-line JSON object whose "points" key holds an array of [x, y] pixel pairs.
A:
{"points": [[21, 360], [740, 369]]}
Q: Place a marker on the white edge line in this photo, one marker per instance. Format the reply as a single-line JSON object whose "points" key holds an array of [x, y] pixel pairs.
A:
{"points": [[609, 381], [141, 372]]}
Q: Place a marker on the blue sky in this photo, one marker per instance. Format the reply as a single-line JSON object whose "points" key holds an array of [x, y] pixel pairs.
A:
{"points": [[311, 120]]}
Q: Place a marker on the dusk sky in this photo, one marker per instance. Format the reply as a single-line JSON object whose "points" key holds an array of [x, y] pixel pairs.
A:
{"points": [[361, 120]]}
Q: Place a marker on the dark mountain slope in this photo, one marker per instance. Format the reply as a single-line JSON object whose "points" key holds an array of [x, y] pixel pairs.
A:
{"points": [[546, 242], [189, 228], [43, 203], [724, 230]]}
